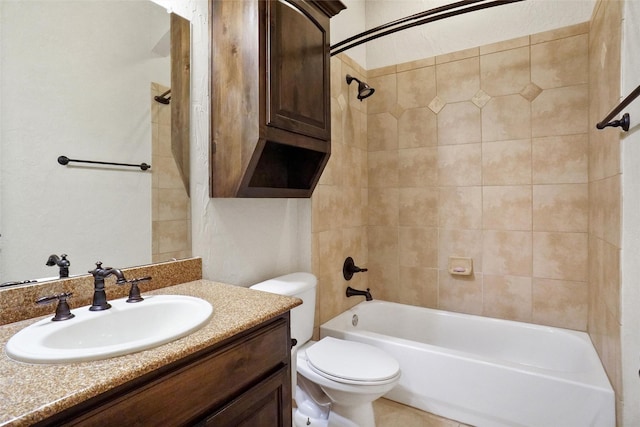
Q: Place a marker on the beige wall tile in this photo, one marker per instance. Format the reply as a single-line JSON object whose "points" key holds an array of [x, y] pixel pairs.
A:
{"points": [[460, 165], [560, 256], [412, 65], [460, 293], [506, 162], [331, 173], [604, 209], [562, 62], [582, 28], [560, 159], [168, 174], [507, 253], [561, 111], [506, 72], [504, 45], [337, 126], [458, 80], [612, 201], [173, 204], [383, 206], [418, 167], [507, 297], [382, 132], [325, 205], [460, 207], [418, 207], [449, 119], [354, 131], [416, 88], [611, 276], [386, 96], [417, 127], [383, 169], [560, 303], [383, 245], [382, 71], [171, 236], [419, 286], [506, 117], [506, 207], [418, 247], [562, 207], [457, 56]]}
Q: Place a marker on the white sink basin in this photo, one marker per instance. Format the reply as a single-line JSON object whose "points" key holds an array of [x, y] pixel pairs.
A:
{"points": [[124, 328]]}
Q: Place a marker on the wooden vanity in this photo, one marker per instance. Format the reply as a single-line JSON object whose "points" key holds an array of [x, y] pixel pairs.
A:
{"points": [[234, 371]]}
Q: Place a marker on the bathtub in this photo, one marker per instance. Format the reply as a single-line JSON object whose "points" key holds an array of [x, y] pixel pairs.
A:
{"points": [[483, 371]]}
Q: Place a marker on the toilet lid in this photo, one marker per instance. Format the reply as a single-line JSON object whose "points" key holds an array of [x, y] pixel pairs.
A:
{"points": [[351, 361]]}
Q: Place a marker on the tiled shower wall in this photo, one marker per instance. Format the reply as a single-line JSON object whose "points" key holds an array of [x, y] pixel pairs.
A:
{"points": [[605, 191], [339, 203], [171, 208], [483, 154], [489, 153]]}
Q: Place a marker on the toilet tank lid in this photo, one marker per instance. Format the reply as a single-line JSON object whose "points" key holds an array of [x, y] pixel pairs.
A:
{"points": [[289, 284]]}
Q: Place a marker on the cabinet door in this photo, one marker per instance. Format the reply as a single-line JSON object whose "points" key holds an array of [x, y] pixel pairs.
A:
{"points": [[298, 98], [266, 404]]}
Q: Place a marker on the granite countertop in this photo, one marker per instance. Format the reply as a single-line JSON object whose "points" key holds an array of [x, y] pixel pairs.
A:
{"points": [[30, 392]]}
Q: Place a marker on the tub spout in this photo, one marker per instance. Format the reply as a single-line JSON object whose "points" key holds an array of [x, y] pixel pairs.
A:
{"points": [[355, 292]]}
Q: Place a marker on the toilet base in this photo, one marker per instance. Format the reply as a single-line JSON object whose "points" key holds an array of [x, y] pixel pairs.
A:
{"points": [[361, 415]]}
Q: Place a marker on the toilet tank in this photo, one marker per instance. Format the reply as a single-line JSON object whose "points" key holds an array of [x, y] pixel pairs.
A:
{"points": [[299, 285]]}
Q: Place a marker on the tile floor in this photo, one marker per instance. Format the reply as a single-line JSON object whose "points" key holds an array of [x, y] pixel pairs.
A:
{"points": [[392, 414]]}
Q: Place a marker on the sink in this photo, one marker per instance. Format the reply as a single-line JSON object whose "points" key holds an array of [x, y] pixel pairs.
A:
{"points": [[123, 329]]}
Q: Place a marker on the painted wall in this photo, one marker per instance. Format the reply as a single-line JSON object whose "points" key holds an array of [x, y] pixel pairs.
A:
{"points": [[49, 49], [241, 241], [462, 32], [630, 294], [350, 22]]}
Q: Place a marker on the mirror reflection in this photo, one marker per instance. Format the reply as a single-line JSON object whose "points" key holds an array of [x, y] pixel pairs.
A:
{"points": [[77, 79]]}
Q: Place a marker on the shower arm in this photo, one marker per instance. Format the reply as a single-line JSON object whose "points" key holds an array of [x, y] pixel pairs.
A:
{"points": [[427, 17]]}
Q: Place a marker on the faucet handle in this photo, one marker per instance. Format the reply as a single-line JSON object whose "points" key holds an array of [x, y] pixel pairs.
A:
{"points": [[63, 312], [134, 292]]}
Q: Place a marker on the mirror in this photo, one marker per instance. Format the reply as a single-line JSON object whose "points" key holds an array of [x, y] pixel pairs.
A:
{"points": [[77, 79]]}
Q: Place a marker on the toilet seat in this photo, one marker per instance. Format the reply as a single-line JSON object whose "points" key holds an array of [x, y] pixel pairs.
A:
{"points": [[351, 362]]}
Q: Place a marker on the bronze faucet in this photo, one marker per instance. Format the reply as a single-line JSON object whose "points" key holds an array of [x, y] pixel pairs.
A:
{"points": [[355, 292], [99, 295]]}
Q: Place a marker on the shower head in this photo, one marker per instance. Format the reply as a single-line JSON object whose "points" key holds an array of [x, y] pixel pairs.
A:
{"points": [[164, 99], [364, 90]]}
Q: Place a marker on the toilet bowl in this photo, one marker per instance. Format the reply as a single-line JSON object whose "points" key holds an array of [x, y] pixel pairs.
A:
{"points": [[350, 375]]}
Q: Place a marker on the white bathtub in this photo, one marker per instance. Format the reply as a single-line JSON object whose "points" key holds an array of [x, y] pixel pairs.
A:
{"points": [[483, 371]]}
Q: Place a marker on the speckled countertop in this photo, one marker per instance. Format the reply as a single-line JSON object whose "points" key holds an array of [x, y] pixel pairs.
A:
{"points": [[30, 393]]}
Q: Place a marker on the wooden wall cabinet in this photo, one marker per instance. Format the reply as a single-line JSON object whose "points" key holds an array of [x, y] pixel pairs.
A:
{"points": [[270, 96], [243, 381]]}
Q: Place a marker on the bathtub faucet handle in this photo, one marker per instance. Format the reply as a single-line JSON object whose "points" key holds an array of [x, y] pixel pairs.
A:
{"points": [[350, 268]]}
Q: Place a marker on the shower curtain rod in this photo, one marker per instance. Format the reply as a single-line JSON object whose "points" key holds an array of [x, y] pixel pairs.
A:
{"points": [[427, 16]]}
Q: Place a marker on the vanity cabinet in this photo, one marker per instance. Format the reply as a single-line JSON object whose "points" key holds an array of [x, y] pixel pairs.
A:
{"points": [[244, 380], [270, 96]]}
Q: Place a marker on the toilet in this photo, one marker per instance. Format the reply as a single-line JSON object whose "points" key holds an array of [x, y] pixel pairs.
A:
{"points": [[334, 381]]}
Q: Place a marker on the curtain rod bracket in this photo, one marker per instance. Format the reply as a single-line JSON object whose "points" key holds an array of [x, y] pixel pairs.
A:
{"points": [[623, 123]]}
